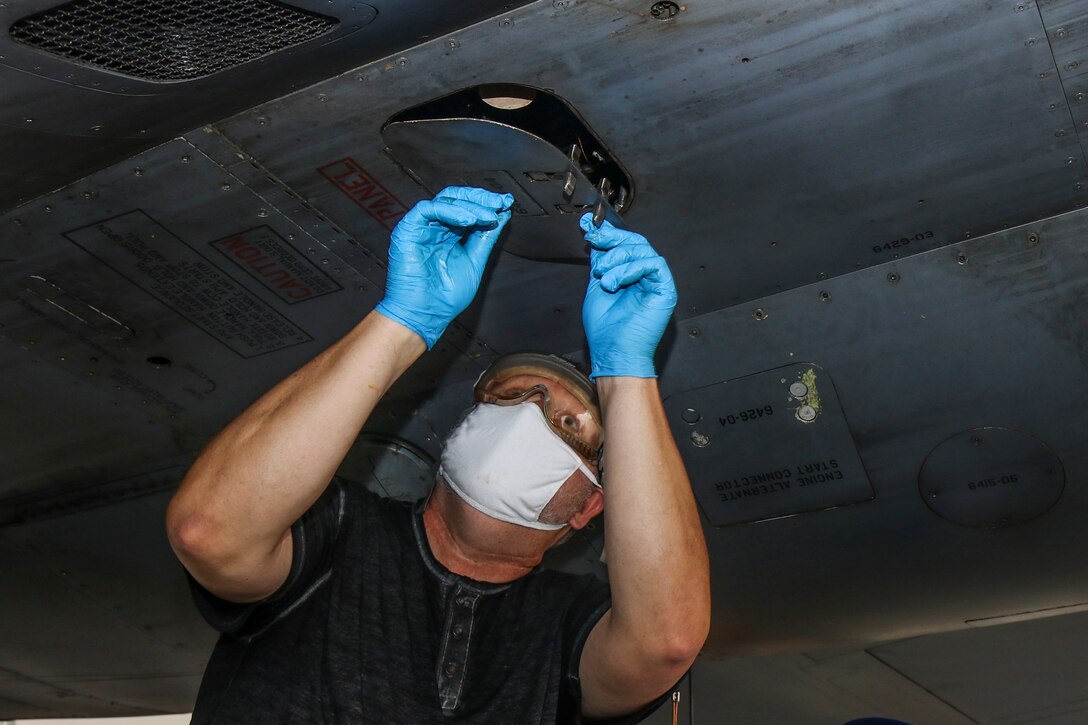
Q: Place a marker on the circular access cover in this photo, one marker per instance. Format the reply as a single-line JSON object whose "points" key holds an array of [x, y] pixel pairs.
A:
{"points": [[991, 477]]}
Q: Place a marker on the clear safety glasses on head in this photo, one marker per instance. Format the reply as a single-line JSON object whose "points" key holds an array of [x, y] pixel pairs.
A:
{"points": [[506, 461], [571, 426]]}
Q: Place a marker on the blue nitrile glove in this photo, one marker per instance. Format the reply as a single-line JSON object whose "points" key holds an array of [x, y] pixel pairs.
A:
{"points": [[630, 298], [437, 255]]}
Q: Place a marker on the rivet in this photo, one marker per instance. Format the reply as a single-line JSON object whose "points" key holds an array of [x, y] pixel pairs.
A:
{"points": [[453, 43], [664, 10], [798, 389], [560, 4], [186, 159], [700, 440], [402, 61], [693, 332], [1033, 238], [961, 258], [806, 413], [262, 213], [976, 441], [506, 23], [138, 171], [691, 416], [262, 121], [89, 194], [225, 186], [825, 296], [47, 208], [893, 277], [759, 314], [322, 98]]}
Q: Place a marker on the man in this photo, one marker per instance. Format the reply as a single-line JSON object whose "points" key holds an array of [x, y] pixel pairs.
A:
{"points": [[337, 606]]}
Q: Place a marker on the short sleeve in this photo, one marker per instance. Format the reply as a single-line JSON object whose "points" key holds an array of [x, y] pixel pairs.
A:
{"points": [[313, 538], [581, 620]]}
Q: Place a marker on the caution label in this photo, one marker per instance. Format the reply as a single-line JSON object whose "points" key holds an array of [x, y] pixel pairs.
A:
{"points": [[157, 261], [269, 259]]}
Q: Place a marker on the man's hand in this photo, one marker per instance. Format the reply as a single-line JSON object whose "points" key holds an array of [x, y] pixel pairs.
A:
{"points": [[630, 298], [437, 255]]}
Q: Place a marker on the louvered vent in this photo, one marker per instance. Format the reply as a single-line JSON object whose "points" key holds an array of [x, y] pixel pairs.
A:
{"points": [[168, 40]]}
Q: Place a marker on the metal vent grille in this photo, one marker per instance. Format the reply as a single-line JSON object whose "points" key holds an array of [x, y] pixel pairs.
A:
{"points": [[168, 40]]}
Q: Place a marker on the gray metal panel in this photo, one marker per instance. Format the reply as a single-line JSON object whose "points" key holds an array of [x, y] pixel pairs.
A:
{"points": [[982, 672], [987, 333], [182, 358], [770, 444], [100, 117], [773, 145], [84, 586], [1066, 24]]}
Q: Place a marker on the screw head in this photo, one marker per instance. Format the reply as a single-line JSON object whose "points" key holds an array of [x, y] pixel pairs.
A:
{"points": [[664, 10], [806, 413]]}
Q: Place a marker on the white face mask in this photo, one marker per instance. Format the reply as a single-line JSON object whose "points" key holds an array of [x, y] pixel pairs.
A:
{"points": [[507, 462]]}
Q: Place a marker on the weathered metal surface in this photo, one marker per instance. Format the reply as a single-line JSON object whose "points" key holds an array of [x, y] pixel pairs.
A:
{"points": [[772, 145], [767, 445], [986, 333], [991, 477], [60, 120]]}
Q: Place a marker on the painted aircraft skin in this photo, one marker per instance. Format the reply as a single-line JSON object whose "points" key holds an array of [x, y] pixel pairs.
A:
{"points": [[876, 214]]}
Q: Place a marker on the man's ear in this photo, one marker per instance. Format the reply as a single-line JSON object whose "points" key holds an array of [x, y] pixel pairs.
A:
{"points": [[593, 506]]}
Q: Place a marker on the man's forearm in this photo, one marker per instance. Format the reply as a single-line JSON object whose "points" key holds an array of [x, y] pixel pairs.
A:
{"points": [[266, 468], [657, 560]]}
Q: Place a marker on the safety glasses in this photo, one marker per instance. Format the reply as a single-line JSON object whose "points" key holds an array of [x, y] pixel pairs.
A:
{"points": [[564, 423]]}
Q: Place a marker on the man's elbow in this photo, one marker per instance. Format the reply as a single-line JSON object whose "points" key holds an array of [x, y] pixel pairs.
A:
{"points": [[684, 642], [192, 537]]}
